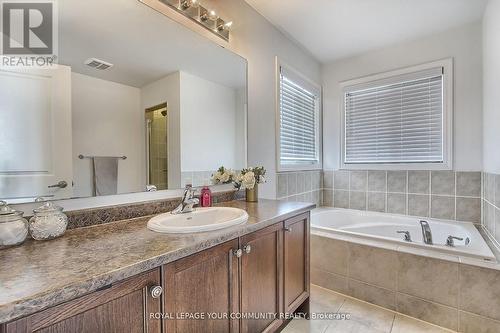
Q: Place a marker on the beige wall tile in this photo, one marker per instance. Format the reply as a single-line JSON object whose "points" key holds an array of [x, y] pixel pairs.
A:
{"points": [[341, 180], [292, 183], [418, 205], [431, 279], [330, 281], [372, 265], [431, 312], [376, 202], [329, 254], [282, 185], [443, 207], [357, 200], [300, 182], [469, 184], [396, 181], [497, 191], [358, 181], [418, 182], [396, 203], [443, 182], [471, 323], [341, 199], [377, 181], [328, 179], [469, 209], [327, 198], [480, 291], [372, 294]]}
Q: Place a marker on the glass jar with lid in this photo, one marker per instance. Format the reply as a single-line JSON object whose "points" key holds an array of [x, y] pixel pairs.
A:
{"points": [[13, 227], [48, 222]]}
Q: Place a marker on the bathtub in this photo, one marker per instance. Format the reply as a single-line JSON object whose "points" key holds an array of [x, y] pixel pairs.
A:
{"points": [[383, 227]]}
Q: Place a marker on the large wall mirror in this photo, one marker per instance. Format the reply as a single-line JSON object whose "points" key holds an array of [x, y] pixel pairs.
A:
{"points": [[139, 102]]}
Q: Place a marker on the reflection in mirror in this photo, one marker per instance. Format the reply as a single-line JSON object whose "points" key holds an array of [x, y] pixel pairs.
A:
{"points": [[138, 103]]}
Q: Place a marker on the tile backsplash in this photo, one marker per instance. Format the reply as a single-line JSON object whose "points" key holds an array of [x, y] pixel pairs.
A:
{"points": [[304, 186], [437, 194], [491, 205]]}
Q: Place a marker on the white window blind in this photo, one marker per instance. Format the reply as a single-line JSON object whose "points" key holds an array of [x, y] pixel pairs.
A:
{"points": [[299, 121], [398, 120]]}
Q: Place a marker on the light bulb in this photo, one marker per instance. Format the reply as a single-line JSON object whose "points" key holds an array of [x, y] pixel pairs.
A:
{"points": [[212, 15]]}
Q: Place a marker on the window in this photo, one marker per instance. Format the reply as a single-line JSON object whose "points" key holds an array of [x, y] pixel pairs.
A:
{"points": [[401, 119], [299, 116]]}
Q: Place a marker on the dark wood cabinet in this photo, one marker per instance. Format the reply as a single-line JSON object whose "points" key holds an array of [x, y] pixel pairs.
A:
{"points": [[261, 278], [204, 283], [264, 273], [296, 262], [121, 308]]}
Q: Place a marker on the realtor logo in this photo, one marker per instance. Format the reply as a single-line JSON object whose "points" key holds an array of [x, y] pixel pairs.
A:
{"points": [[29, 33]]}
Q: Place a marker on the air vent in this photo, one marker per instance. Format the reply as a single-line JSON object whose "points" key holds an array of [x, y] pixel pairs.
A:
{"points": [[98, 64]]}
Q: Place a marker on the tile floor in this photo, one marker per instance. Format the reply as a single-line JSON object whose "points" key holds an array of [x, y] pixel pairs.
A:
{"points": [[365, 318]]}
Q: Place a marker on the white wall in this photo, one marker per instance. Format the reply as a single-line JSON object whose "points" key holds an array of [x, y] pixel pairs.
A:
{"points": [[167, 90], [257, 40], [208, 125], [463, 44], [491, 86], [106, 122]]}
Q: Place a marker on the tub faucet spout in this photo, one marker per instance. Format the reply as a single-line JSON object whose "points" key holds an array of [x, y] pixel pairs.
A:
{"points": [[426, 232]]}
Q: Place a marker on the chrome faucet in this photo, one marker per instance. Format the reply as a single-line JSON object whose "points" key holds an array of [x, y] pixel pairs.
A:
{"points": [[188, 201], [450, 240], [407, 237], [426, 232]]}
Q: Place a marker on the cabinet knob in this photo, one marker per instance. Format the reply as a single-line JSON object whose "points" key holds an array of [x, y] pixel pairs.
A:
{"points": [[238, 253], [288, 229], [247, 249], [156, 291]]}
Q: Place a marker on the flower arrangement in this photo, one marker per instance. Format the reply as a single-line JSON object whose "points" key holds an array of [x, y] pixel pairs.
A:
{"points": [[247, 178], [224, 176], [250, 176]]}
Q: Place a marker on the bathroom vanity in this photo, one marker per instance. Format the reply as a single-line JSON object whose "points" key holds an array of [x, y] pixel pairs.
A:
{"points": [[122, 277]]}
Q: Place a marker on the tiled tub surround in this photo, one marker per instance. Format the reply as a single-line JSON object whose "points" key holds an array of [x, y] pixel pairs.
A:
{"points": [[441, 290], [302, 186], [491, 206], [438, 194]]}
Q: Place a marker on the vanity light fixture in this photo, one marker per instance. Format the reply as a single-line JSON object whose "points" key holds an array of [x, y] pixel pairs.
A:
{"points": [[201, 15]]}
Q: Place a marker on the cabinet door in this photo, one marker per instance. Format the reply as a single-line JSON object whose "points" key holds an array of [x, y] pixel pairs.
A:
{"points": [[124, 307], [202, 284], [296, 262], [261, 278]]}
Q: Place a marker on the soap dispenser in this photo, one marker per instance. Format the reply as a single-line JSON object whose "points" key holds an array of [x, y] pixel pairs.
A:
{"points": [[206, 197]]}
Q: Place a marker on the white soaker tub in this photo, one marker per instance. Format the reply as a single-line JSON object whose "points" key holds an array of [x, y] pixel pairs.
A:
{"points": [[384, 227]]}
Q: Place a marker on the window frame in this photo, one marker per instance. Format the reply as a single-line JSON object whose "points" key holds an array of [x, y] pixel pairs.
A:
{"points": [[448, 111], [319, 111]]}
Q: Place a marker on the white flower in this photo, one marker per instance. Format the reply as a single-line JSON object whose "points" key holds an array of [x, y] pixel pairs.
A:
{"points": [[248, 180], [225, 177]]}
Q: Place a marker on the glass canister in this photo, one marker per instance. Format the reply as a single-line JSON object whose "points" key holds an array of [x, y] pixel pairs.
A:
{"points": [[13, 227], [48, 222]]}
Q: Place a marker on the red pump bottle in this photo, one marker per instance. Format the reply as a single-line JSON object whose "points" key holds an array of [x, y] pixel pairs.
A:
{"points": [[206, 197]]}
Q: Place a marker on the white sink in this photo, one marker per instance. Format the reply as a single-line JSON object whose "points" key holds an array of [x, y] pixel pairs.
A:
{"points": [[201, 219]]}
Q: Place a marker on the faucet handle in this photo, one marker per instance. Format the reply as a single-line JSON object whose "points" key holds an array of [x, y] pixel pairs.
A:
{"points": [[450, 240], [407, 235]]}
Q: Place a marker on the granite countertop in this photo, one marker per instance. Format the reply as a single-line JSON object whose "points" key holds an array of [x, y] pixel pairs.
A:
{"points": [[37, 275]]}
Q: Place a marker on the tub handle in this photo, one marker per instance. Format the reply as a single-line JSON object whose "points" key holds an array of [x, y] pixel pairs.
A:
{"points": [[450, 240], [407, 235]]}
